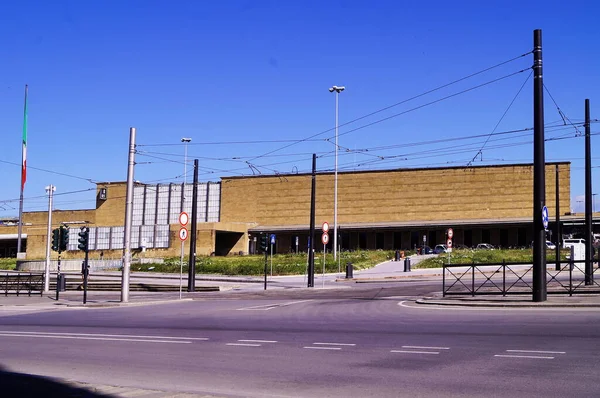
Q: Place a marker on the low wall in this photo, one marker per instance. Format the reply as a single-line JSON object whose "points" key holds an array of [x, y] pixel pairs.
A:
{"points": [[75, 265]]}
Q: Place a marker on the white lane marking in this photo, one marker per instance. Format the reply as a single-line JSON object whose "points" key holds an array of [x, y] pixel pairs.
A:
{"points": [[257, 341], [268, 307], [522, 356], [425, 348], [415, 352], [105, 335], [244, 344], [94, 338], [340, 344], [537, 352], [323, 348]]}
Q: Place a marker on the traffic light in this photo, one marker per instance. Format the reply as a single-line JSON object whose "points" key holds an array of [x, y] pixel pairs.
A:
{"points": [[83, 240], [55, 239], [264, 242], [64, 239]]}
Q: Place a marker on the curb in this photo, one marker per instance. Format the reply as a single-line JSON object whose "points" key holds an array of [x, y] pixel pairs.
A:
{"points": [[119, 304], [500, 304]]}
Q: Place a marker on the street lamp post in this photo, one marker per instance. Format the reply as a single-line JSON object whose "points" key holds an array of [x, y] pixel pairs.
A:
{"points": [[185, 141], [338, 90]]}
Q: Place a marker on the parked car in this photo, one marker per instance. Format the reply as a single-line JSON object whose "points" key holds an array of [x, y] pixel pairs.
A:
{"points": [[484, 246], [550, 245], [440, 249], [424, 250]]}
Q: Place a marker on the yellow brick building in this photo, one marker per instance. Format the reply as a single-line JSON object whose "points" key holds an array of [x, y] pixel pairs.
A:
{"points": [[388, 209]]}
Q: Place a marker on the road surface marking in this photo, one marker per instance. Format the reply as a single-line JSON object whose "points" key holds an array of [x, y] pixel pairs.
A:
{"points": [[257, 341], [94, 338], [523, 356], [268, 307], [244, 344], [425, 348], [415, 352], [106, 335], [537, 352], [340, 344], [323, 348]]}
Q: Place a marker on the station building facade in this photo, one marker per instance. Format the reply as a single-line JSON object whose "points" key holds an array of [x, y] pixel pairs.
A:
{"points": [[379, 209]]}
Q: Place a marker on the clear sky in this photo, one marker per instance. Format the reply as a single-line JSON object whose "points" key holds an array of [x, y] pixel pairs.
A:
{"points": [[245, 79]]}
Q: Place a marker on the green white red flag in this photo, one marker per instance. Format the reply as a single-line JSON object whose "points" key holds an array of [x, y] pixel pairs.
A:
{"points": [[24, 164]]}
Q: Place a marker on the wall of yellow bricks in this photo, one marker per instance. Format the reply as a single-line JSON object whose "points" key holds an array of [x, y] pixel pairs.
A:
{"points": [[393, 196]]}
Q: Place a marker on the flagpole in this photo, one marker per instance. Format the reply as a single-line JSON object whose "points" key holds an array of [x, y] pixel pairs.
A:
{"points": [[23, 174]]}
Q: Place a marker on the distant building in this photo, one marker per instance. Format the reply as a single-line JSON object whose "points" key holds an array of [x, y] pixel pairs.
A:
{"points": [[379, 209]]}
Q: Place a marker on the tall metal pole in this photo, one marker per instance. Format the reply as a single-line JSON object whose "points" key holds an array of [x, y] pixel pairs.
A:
{"points": [[539, 173], [185, 142], [192, 257], [50, 190], [311, 244], [335, 187], [557, 223], [23, 174], [128, 217], [589, 237]]}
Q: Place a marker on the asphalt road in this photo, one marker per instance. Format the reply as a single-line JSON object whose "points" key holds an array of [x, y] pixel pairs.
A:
{"points": [[369, 341]]}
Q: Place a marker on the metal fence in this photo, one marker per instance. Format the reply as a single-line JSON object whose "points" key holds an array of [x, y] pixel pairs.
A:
{"points": [[516, 279], [22, 283]]}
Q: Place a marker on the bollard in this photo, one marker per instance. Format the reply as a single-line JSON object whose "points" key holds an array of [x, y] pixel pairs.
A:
{"points": [[349, 270], [407, 264], [397, 255]]}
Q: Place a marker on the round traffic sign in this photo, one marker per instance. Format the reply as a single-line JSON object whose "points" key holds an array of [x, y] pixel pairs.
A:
{"points": [[183, 218], [325, 238], [450, 233], [325, 227], [183, 234], [545, 217], [449, 243]]}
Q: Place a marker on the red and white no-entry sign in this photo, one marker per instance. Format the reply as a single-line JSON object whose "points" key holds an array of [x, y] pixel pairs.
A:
{"points": [[450, 233], [183, 218], [183, 234], [449, 243], [325, 238], [325, 227]]}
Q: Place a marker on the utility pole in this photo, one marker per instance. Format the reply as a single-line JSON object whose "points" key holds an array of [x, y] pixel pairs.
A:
{"points": [[50, 190], [192, 259], [557, 223], [128, 218], [311, 244], [539, 173], [589, 237]]}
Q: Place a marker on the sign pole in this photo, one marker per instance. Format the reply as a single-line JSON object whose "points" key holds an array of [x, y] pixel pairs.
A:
{"points": [[324, 248]]}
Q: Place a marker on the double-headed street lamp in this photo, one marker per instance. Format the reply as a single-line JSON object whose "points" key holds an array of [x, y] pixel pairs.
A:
{"points": [[337, 90]]}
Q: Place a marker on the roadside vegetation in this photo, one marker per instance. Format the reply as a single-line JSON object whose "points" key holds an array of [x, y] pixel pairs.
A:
{"points": [[295, 264], [469, 256], [8, 263]]}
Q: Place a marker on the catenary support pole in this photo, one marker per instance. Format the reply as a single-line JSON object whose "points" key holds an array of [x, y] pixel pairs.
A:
{"points": [[311, 244], [192, 257], [589, 237], [539, 173], [557, 232], [128, 217], [50, 189]]}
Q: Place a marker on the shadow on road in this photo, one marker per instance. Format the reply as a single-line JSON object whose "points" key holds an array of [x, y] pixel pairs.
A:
{"points": [[23, 385]]}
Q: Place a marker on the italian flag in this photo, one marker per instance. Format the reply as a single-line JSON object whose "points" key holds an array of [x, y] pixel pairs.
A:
{"points": [[24, 164]]}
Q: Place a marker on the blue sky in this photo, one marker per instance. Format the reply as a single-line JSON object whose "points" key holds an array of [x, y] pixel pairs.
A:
{"points": [[245, 78]]}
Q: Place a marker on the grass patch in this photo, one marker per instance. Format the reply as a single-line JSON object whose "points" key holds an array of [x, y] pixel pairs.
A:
{"points": [[467, 256], [283, 264], [8, 264]]}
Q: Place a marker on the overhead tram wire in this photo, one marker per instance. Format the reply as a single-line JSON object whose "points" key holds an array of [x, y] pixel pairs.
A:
{"points": [[433, 102], [479, 152], [561, 113], [91, 181], [398, 103]]}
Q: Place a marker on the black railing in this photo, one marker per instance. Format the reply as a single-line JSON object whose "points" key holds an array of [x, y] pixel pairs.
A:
{"points": [[21, 283], [516, 278]]}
